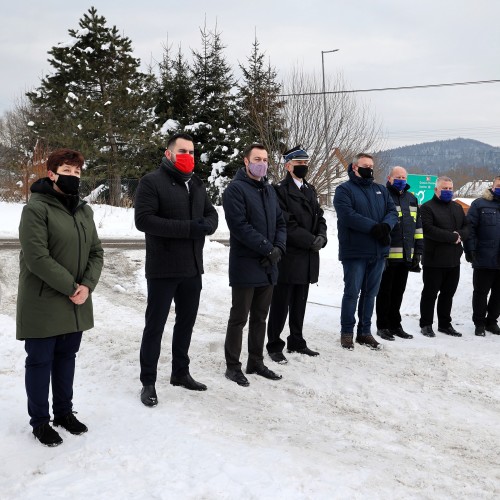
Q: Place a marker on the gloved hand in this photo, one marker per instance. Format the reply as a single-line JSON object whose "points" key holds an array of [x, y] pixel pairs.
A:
{"points": [[415, 263], [381, 233], [198, 228], [318, 243], [272, 258], [470, 256]]}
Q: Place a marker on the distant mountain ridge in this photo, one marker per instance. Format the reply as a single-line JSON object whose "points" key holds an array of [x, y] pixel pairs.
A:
{"points": [[443, 157]]}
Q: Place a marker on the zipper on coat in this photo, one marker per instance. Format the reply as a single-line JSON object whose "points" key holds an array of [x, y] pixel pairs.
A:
{"points": [[79, 277]]}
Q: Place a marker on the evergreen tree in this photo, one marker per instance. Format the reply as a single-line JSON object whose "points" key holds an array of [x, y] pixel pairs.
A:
{"points": [[262, 107], [174, 94], [97, 101], [215, 119]]}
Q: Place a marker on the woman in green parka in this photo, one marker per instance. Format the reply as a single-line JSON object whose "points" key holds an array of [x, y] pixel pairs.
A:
{"points": [[60, 264]]}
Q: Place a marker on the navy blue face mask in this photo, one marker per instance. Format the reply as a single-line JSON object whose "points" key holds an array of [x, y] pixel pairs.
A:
{"points": [[399, 184], [446, 195], [496, 191]]}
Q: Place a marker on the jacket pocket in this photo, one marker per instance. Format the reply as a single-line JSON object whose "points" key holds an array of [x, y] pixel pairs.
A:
{"points": [[488, 217], [84, 232]]}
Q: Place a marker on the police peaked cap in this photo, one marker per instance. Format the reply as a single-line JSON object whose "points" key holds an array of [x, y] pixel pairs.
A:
{"points": [[296, 153]]}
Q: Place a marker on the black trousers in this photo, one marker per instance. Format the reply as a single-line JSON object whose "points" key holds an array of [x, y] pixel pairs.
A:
{"points": [[442, 280], [486, 312], [245, 300], [186, 294], [390, 296], [291, 301], [51, 359]]}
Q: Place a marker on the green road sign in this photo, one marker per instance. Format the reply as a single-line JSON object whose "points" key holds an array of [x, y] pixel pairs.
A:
{"points": [[422, 186]]}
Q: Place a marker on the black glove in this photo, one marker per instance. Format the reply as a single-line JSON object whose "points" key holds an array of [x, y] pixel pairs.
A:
{"points": [[198, 228], [318, 243], [272, 258], [415, 264], [470, 256], [381, 233]]}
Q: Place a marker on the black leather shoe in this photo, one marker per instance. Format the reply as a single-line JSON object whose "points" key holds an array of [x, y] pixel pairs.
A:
{"points": [[264, 371], [450, 331], [480, 331], [278, 357], [494, 329], [238, 377], [148, 396], [47, 435], [187, 382], [385, 334], [305, 350], [399, 332], [427, 331], [71, 424]]}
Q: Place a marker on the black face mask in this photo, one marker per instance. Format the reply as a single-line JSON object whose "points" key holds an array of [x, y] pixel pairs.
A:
{"points": [[300, 171], [68, 184], [365, 172]]}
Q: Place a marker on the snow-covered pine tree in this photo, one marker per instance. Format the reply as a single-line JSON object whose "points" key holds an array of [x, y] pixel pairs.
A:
{"points": [[216, 116], [174, 94], [96, 100], [262, 107]]}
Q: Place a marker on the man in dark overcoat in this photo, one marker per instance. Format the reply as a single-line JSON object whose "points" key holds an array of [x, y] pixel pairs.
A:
{"points": [[306, 236], [173, 209], [482, 250], [445, 227], [257, 243]]}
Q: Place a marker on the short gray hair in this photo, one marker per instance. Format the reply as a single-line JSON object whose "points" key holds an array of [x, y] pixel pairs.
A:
{"points": [[443, 178]]}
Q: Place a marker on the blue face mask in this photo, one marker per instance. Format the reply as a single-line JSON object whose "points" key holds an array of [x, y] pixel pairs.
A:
{"points": [[496, 191], [446, 195], [399, 184]]}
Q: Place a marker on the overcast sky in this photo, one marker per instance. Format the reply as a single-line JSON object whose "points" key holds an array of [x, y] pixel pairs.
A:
{"points": [[383, 43]]}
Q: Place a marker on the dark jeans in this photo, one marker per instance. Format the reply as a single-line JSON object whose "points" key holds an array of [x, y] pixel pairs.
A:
{"points": [[245, 300], [50, 359], [186, 294], [390, 296], [486, 312], [288, 300], [360, 275], [442, 280]]}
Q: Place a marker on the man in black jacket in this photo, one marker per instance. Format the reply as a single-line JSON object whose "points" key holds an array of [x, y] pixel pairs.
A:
{"points": [[306, 236], [482, 250], [404, 255], [445, 227], [257, 243], [173, 209]]}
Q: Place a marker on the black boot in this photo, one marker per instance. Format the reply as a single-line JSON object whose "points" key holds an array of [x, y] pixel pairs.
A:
{"points": [[187, 382], [148, 396], [71, 424], [47, 435]]}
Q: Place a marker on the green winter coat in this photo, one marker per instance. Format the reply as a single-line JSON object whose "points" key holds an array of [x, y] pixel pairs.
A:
{"points": [[59, 249]]}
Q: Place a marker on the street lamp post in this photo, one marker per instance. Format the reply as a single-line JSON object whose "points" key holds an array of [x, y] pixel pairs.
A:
{"points": [[327, 152]]}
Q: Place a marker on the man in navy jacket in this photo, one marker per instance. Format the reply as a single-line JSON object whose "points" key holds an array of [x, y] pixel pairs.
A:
{"points": [[257, 243], [365, 217], [482, 250]]}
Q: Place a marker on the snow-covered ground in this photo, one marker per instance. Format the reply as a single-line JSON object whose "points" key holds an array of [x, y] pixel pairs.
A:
{"points": [[419, 419]]}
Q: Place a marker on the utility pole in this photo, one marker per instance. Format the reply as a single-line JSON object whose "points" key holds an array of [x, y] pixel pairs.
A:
{"points": [[325, 131]]}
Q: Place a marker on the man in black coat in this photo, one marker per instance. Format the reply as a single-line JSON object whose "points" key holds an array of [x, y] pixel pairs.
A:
{"points": [[404, 255], [482, 250], [257, 243], [306, 236], [173, 209], [445, 227]]}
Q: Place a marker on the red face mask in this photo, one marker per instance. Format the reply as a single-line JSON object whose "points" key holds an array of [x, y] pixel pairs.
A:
{"points": [[184, 163]]}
